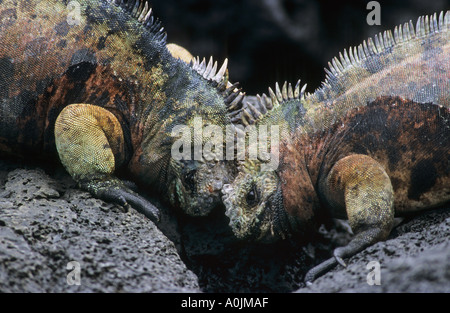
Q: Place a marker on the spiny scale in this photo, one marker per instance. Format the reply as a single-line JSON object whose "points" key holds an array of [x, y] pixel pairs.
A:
{"points": [[425, 26], [286, 93], [232, 94], [208, 71], [141, 10], [251, 113]]}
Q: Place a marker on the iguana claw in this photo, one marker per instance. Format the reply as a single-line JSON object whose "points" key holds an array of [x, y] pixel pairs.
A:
{"points": [[128, 198], [116, 191], [145, 207], [338, 255], [320, 269]]}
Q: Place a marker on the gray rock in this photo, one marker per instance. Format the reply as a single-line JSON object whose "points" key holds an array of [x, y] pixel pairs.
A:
{"points": [[46, 223], [416, 258]]}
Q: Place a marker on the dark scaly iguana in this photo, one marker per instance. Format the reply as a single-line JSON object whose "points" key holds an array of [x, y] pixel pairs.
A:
{"points": [[97, 85], [372, 142]]}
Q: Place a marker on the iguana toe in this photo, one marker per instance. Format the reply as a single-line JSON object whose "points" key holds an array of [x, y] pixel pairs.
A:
{"points": [[338, 255], [116, 191], [138, 203], [319, 270]]}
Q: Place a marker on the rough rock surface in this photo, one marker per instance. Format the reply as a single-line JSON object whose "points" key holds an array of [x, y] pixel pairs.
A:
{"points": [[416, 258], [46, 222]]}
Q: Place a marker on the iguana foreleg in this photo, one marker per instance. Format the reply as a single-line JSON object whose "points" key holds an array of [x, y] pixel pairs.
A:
{"points": [[90, 144], [361, 185]]}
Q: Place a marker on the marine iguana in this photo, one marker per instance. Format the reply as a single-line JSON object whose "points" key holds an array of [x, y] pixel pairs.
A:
{"points": [[94, 83], [371, 143]]}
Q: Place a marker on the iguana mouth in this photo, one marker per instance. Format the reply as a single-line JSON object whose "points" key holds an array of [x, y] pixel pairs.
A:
{"points": [[266, 224], [275, 218], [280, 222], [240, 223]]}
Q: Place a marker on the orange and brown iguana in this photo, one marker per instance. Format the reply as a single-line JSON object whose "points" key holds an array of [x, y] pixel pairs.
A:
{"points": [[95, 83], [371, 143]]}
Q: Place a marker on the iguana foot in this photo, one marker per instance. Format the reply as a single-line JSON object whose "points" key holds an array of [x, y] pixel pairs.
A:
{"points": [[115, 191], [319, 270], [361, 185], [357, 244]]}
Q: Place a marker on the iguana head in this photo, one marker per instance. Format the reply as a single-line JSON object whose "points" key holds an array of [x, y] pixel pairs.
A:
{"points": [[254, 200], [254, 204], [198, 188], [200, 175]]}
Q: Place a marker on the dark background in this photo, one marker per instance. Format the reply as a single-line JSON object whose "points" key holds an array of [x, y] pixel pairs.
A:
{"points": [[277, 40]]}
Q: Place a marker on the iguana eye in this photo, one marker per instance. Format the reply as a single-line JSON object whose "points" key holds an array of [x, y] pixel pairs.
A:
{"points": [[189, 180], [252, 196]]}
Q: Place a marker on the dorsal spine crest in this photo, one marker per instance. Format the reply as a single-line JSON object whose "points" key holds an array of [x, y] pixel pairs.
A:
{"points": [[425, 26]]}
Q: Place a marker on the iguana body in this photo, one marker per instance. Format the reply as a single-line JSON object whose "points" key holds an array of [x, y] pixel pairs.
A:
{"points": [[102, 72], [371, 143]]}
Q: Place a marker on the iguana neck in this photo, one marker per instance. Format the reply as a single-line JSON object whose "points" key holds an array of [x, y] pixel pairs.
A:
{"points": [[179, 97], [299, 165]]}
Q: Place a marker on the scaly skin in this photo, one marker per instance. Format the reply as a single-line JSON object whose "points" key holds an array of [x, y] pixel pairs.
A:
{"points": [[115, 92], [373, 142]]}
